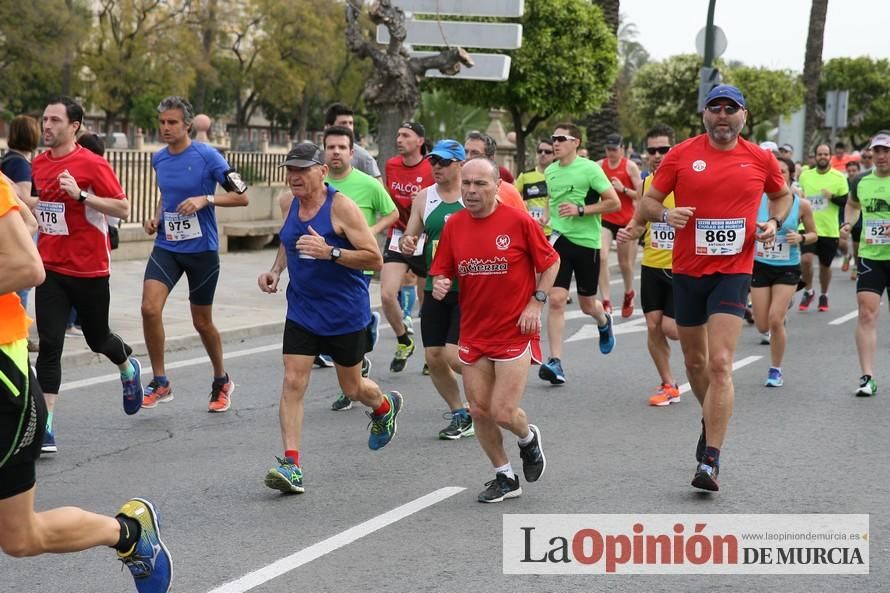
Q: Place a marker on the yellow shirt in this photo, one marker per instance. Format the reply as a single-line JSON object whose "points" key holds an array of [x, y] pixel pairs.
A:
{"points": [[658, 241]]}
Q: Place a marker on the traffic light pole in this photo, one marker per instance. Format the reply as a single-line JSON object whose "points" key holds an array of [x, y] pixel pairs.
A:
{"points": [[709, 77]]}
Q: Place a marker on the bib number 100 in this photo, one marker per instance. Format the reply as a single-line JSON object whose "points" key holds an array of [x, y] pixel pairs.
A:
{"points": [[727, 236], [663, 235]]}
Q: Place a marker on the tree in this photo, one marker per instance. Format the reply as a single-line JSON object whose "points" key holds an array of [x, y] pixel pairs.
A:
{"points": [[552, 72], [604, 121], [665, 92], [868, 81], [631, 57], [447, 118], [769, 94], [812, 69]]}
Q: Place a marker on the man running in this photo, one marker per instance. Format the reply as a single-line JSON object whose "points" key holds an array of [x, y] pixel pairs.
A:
{"points": [[495, 253], [326, 245], [77, 190], [579, 193], [187, 243], [714, 252], [871, 200], [341, 116], [440, 318], [533, 186]]}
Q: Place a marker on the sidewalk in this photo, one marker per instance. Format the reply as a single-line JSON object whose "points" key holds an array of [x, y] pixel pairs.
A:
{"points": [[240, 310]]}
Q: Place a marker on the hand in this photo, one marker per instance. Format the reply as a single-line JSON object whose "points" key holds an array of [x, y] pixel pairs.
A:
{"points": [[441, 286], [568, 209], [767, 236], [616, 183], [191, 205], [627, 234], [313, 245], [151, 225], [826, 193], [268, 282], [679, 217], [845, 230], [408, 243], [793, 237], [68, 184], [530, 320]]}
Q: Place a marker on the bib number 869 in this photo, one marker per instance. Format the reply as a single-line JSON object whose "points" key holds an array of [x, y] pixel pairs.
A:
{"points": [[720, 236]]}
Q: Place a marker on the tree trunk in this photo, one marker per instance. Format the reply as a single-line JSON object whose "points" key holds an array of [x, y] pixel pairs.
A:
{"points": [[812, 70], [520, 139], [208, 32], [605, 121]]}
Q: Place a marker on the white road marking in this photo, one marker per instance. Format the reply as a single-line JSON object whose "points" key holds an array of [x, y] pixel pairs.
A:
{"points": [[685, 387], [844, 318], [289, 563], [589, 330]]}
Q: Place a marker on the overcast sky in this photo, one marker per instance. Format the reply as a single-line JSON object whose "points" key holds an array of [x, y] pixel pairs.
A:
{"points": [[771, 33]]}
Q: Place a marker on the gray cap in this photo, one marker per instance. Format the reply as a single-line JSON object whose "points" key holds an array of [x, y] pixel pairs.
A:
{"points": [[305, 154]]}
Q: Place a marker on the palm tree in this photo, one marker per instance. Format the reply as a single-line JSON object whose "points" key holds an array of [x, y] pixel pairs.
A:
{"points": [[812, 69], [605, 121]]}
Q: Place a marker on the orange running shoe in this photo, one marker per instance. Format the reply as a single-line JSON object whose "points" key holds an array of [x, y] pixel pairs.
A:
{"points": [[627, 308], [665, 395], [221, 396], [607, 305], [156, 393]]}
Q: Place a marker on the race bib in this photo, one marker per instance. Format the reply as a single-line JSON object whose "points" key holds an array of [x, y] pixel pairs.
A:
{"points": [[537, 213], [818, 202], [719, 236], [661, 236], [394, 243], [779, 251], [181, 227], [877, 232], [51, 218]]}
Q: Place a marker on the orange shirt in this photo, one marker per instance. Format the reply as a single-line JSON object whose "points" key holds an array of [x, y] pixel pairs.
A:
{"points": [[510, 196], [841, 163], [13, 320]]}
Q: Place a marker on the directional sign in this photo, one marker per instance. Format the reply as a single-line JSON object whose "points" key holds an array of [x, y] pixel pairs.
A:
{"points": [[501, 8], [493, 67], [462, 33]]}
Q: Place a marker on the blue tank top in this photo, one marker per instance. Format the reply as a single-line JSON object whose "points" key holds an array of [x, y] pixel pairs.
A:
{"points": [[323, 296], [781, 254]]}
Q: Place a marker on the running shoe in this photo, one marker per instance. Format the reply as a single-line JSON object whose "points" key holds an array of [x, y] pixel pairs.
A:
{"points": [[409, 324], [607, 305], [461, 426], [774, 378], [73, 331], [221, 396], [627, 307], [383, 428], [375, 328], [823, 302], [401, 357], [867, 386], [533, 461], [156, 393], [569, 300], [500, 488], [366, 367], [552, 371], [425, 371], [665, 395], [764, 339], [607, 336], [749, 315], [287, 477], [149, 560], [806, 300], [854, 273], [323, 361], [706, 477], [342, 403], [49, 443], [133, 392]]}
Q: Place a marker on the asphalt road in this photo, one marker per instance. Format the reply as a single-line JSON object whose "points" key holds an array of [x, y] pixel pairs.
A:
{"points": [[809, 447]]}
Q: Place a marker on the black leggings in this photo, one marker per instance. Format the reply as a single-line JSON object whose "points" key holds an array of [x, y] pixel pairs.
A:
{"points": [[52, 302]]}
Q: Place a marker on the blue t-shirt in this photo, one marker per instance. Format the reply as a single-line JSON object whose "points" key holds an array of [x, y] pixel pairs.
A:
{"points": [[16, 167], [193, 172]]}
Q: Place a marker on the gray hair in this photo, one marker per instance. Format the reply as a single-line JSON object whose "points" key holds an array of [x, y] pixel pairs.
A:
{"points": [[174, 102], [490, 145], [495, 168]]}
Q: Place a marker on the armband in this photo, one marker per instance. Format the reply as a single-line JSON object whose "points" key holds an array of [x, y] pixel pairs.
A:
{"points": [[233, 182]]}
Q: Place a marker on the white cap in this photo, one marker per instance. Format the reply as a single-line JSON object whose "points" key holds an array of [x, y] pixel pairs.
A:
{"points": [[769, 145], [880, 140]]}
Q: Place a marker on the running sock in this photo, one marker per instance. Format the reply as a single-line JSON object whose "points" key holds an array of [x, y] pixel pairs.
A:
{"points": [[129, 373], [407, 298], [49, 422], [506, 469], [404, 339], [221, 380], [527, 438], [161, 379], [711, 457], [293, 455], [383, 408], [131, 530]]}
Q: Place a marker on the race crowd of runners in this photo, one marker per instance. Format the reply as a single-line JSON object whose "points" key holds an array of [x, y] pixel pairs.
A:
{"points": [[728, 229]]}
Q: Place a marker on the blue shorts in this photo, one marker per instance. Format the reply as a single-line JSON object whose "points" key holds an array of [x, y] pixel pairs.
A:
{"points": [[201, 269], [696, 299]]}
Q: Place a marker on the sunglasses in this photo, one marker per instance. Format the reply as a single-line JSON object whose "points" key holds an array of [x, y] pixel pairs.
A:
{"points": [[728, 109], [544, 151], [659, 149], [438, 161], [562, 138]]}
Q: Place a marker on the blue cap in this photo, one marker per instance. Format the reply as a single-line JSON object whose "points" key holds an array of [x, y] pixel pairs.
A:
{"points": [[448, 149], [726, 91]]}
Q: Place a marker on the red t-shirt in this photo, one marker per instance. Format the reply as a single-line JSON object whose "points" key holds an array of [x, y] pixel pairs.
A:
{"points": [[73, 236], [403, 182], [725, 187], [495, 260], [623, 216]]}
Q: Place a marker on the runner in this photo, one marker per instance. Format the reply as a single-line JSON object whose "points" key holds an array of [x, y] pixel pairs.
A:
{"points": [[325, 245], [187, 243], [714, 252], [77, 190], [342, 116], [533, 186], [579, 193], [870, 199], [495, 253]]}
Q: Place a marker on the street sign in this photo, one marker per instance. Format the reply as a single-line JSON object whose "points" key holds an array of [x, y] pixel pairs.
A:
{"points": [[708, 79], [499, 8], [720, 42], [836, 105], [462, 33], [491, 67]]}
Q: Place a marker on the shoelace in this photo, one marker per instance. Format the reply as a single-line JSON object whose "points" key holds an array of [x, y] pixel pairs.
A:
{"points": [[153, 385], [379, 424], [138, 566], [216, 390]]}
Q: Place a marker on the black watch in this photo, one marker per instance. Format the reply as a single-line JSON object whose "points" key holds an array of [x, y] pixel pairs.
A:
{"points": [[335, 253], [540, 296], [82, 196]]}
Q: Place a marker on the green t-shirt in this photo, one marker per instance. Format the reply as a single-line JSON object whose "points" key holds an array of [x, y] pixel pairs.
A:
{"points": [[533, 188], [873, 194], [435, 215], [812, 182], [578, 183]]}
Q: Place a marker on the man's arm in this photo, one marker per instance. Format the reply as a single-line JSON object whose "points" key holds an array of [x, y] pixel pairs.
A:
{"points": [[20, 264], [530, 320], [151, 225], [634, 172], [229, 199], [268, 281], [348, 220], [414, 226], [384, 222]]}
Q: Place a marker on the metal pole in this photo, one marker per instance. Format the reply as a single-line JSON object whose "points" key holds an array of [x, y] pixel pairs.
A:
{"points": [[709, 35]]}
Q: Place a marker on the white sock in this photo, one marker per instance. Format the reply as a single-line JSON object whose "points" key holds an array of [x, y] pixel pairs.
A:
{"points": [[506, 469], [527, 438]]}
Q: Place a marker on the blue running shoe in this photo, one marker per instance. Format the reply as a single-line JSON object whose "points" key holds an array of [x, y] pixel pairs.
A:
{"points": [[49, 443], [149, 560], [774, 378], [552, 371], [375, 328], [287, 477], [383, 428], [607, 336], [323, 361], [133, 392]]}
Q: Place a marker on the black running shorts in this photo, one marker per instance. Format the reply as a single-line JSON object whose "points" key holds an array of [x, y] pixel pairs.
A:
{"points": [[874, 276], [415, 263], [825, 249], [439, 320], [766, 275], [583, 262], [346, 350], [696, 299], [657, 290], [201, 269]]}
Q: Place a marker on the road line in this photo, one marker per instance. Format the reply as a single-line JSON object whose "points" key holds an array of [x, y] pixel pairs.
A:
{"points": [[685, 387], [844, 318], [315, 551]]}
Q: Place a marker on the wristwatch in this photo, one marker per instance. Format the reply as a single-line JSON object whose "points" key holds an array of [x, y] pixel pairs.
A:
{"points": [[82, 196], [540, 296], [210, 199], [581, 211], [335, 253]]}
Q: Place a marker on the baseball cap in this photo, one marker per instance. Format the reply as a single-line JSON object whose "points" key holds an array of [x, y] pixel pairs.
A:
{"points": [[769, 145], [613, 140], [787, 147], [449, 149], [304, 154], [414, 127], [880, 140], [726, 91]]}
